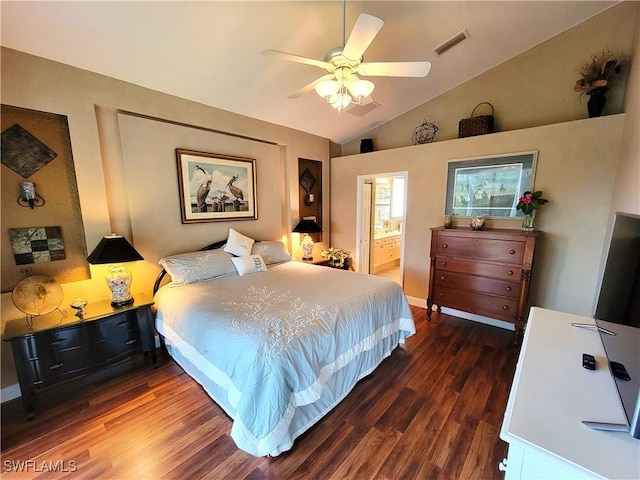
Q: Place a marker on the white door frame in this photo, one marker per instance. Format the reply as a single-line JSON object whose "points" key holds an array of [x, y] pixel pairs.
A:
{"points": [[360, 218]]}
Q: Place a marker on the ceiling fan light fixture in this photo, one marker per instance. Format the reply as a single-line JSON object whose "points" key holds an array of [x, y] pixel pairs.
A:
{"points": [[327, 89], [361, 89], [340, 101]]}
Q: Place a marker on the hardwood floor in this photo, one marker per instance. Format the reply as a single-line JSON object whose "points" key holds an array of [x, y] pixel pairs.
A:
{"points": [[432, 410]]}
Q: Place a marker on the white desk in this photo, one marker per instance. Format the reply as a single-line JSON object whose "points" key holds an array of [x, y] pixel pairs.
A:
{"points": [[550, 396]]}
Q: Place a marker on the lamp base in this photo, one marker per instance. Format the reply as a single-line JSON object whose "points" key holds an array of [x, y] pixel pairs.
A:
{"points": [[307, 247], [122, 303]]}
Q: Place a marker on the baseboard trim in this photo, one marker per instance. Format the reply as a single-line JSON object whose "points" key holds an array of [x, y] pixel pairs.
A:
{"points": [[416, 301], [10, 393], [479, 318]]}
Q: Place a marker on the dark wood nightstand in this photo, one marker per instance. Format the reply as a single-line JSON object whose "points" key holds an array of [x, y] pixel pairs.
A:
{"points": [[54, 348], [318, 261]]}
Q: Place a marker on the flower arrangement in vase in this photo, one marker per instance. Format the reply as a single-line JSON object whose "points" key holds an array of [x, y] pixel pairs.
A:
{"points": [[338, 258], [528, 204], [595, 78]]}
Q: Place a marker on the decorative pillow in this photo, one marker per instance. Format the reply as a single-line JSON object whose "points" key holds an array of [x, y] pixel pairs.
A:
{"points": [[238, 244], [194, 267], [272, 252], [249, 264]]}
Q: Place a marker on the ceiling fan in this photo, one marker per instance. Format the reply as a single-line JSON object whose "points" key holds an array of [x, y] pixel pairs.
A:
{"points": [[342, 86]]}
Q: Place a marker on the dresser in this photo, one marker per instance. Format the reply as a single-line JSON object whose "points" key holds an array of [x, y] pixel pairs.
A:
{"points": [[483, 272], [552, 394], [53, 348]]}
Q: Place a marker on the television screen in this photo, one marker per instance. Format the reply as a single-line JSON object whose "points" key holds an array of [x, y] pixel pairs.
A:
{"points": [[618, 313]]}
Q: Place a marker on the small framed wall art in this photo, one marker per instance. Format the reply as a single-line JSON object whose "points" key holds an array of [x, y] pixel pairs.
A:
{"points": [[216, 187]]}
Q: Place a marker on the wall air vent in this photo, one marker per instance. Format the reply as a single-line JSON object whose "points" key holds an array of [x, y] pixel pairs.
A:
{"points": [[452, 42]]}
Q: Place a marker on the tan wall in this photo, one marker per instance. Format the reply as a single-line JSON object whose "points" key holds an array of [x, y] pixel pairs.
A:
{"points": [[576, 170], [626, 194], [535, 88], [126, 169]]}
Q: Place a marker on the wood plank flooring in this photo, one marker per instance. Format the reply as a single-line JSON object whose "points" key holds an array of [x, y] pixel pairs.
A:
{"points": [[430, 411]]}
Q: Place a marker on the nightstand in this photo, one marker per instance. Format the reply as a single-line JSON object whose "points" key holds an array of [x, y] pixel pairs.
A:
{"points": [[317, 261], [54, 349]]}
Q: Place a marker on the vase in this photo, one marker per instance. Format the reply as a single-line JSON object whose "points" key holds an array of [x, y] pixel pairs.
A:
{"points": [[596, 102], [527, 221]]}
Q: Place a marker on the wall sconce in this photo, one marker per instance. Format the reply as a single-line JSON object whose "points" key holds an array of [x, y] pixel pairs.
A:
{"points": [[28, 196], [309, 199]]}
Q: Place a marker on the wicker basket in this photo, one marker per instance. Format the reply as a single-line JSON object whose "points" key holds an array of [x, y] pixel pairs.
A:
{"points": [[480, 125]]}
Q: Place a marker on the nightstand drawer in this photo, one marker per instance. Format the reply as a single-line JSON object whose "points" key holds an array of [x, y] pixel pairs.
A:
{"points": [[47, 343], [113, 326], [477, 283], [52, 368]]}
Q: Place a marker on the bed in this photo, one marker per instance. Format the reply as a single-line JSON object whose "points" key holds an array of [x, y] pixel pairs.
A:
{"points": [[277, 346]]}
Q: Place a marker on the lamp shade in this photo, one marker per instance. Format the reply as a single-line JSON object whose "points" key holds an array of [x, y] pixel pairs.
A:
{"points": [[307, 226], [113, 249]]}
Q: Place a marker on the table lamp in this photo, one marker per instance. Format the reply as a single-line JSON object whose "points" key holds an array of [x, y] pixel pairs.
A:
{"points": [[116, 250], [307, 226]]}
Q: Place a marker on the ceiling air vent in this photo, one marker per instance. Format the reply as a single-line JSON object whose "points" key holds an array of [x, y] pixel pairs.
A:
{"points": [[360, 110], [452, 42]]}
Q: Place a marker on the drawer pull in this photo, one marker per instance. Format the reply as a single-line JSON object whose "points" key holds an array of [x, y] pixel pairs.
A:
{"points": [[444, 245], [129, 342], [441, 294], [444, 264], [123, 324], [442, 277], [508, 289], [58, 341], [505, 307], [510, 272], [512, 252], [56, 365]]}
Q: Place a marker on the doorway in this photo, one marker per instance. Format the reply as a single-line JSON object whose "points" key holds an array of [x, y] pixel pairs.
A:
{"points": [[381, 224]]}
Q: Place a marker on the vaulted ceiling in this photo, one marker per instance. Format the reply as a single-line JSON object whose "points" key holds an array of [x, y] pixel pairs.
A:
{"points": [[210, 51]]}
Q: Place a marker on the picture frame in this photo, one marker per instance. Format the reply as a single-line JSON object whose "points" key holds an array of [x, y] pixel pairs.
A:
{"points": [[489, 186], [215, 188]]}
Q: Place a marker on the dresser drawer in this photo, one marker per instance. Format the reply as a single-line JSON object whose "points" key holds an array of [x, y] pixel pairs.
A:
{"points": [[49, 369], [488, 249], [55, 367], [114, 326], [49, 342], [495, 270], [476, 283], [478, 303]]}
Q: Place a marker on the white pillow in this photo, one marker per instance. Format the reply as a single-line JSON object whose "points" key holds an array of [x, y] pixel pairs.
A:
{"points": [[249, 264], [272, 252], [194, 267], [238, 244]]}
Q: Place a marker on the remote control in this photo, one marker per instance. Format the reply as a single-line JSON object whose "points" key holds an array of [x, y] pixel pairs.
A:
{"points": [[588, 361], [619, 371]]}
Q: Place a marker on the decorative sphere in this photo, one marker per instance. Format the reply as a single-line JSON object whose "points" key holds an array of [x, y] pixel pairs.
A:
{"points": [[424, 133]]}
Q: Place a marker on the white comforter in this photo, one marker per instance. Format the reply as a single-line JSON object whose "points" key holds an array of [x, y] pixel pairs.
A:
{"points": [[268, 343]]}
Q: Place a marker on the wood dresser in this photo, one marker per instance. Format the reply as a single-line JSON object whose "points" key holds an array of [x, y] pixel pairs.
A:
{"points": [[51, 348], [484, 272]]}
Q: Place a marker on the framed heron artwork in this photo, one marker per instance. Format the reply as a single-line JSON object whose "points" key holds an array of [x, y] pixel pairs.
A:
{"points": [[216, 187]]}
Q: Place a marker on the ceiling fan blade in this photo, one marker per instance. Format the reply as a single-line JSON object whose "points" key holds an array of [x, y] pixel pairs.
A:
{"points": [[297, 58], [394, 69], [309, 87], [364, 31]]}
